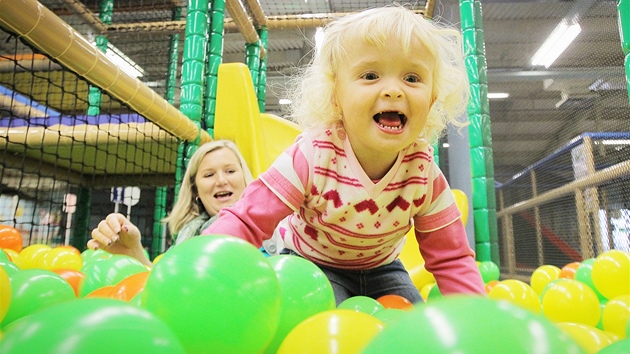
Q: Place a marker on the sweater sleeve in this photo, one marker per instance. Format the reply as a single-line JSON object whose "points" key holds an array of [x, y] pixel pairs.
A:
{"points": [[451, 261], [253, 218]]}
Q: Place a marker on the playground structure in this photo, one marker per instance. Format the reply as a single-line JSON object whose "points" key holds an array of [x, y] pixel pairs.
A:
{"points": [[133, 135]]}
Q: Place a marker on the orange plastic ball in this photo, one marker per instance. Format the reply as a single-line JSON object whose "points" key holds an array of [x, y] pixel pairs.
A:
{"points": [[395, 302], [73, 277], [129, 287], [491, 284], [568, 271], [102, 292], [10, 238]]}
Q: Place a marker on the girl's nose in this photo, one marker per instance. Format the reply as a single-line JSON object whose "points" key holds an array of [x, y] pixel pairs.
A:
{"points": [[392, 91]]}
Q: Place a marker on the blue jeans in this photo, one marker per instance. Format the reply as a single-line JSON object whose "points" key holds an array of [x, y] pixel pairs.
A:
{"points": [[389, 279]]}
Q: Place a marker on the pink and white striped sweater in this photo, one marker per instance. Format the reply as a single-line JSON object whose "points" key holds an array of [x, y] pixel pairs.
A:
{"points": [[340, 218]]}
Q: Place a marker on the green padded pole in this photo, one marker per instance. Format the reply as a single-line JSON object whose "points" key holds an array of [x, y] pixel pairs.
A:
{"points": [[94, 93], [262, 75], [194, 55], [161, 193], [623, 12], [193, 66], [436, 153], [252, 60], [80, 227], [482, 164], [192, 90], [215, 57]]}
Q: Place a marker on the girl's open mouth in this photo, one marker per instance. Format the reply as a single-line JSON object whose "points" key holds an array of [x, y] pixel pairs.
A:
{"points": [[393, 121]]}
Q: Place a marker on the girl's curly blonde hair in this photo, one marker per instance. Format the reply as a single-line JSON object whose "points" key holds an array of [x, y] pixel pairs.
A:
{"points": [[313, 89]]}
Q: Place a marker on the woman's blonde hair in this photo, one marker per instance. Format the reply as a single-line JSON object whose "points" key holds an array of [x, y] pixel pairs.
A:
{"points": [[186, 207], [314, 88]]}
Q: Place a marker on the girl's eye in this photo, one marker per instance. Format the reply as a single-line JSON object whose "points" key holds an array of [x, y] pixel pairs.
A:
{"points": [[230, 171], [370, 76], [412, 78]]}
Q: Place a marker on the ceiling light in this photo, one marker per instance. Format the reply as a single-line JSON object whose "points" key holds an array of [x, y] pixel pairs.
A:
{"points": [[600, 85], [556, 43], [616, 142], [123, 62], [498, 95]]}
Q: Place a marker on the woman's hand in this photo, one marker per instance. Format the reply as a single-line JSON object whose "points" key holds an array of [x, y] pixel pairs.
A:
{"points": [[117, 235]]}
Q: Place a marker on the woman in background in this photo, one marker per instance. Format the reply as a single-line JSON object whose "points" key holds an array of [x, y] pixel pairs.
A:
{"points": [[215, 178]]}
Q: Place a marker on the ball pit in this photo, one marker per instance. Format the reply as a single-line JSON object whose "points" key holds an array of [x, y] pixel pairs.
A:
{"points": [[220, 294]]}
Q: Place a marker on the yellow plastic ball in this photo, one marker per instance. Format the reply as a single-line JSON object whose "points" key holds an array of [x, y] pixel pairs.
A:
{"points": [[424, 292], [568, 300], [30, 255], [157, 258], [518, 293], [589, 338], [5, 293], [421, 277], [542, 276], [611, 273], [616, 315], [13, 257], [61, 258], [337, 331]]}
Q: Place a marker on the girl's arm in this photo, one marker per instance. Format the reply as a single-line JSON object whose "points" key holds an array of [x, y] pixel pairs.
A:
{"points": [[451, 261], [254, 217]]}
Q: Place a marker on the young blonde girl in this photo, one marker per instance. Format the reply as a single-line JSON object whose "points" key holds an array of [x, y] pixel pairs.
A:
{"points": [[381, 88]]}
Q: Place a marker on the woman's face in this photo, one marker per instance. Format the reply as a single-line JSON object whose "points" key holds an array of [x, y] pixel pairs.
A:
{"points": [[220, 181]]}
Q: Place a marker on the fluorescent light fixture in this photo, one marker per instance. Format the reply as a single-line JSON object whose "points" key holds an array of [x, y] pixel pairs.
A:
{"points": [[154, 83], [616, 142], [556, 43], [600, 85], [123, 62], [284, 101], [498, 95]]}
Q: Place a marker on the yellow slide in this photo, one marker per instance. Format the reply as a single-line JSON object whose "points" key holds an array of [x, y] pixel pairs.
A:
{"points": [[261, 137]]}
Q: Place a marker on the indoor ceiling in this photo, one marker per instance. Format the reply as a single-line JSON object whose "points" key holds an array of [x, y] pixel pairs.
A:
{"points": [[583, 91]]}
